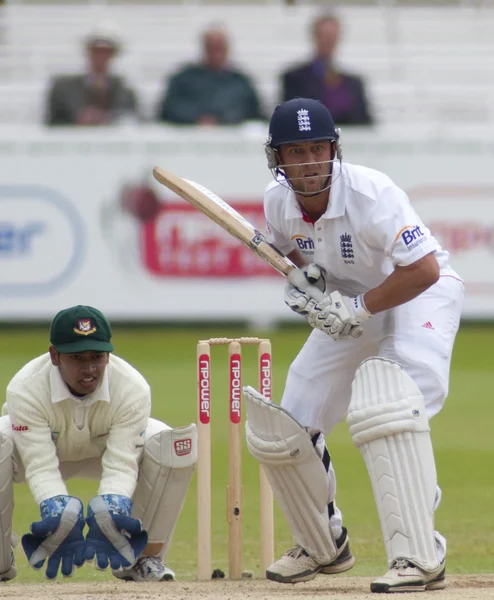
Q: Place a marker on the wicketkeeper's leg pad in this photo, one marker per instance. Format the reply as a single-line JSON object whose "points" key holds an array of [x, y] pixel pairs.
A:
{"points": [[295, 471], [169, 459], [388, 422], [6, 507]]}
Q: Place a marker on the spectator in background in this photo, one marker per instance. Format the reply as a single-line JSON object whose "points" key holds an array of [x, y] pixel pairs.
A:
{"points": [[211, 92], [343, 94], [96, 97]]}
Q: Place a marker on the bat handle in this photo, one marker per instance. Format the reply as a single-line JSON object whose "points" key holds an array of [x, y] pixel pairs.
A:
{"points": [[297, 278]]}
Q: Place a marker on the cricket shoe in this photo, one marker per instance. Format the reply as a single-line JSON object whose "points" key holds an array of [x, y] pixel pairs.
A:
{"points": [[147, 568], [10, 573], [404, 576], [297, 565]]}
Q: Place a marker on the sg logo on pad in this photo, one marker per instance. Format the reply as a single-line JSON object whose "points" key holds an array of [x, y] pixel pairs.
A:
{"points": [[183, 447]]}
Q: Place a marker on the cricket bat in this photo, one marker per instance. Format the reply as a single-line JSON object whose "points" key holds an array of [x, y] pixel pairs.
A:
{"points": [[234, 223]]}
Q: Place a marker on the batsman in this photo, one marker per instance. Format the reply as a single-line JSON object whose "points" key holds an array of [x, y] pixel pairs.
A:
{"points": [[80, 411], [379, 355]]}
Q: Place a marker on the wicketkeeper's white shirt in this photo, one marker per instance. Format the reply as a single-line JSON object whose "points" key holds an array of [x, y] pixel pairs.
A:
{"points": [[50, 425], [368, 229]]}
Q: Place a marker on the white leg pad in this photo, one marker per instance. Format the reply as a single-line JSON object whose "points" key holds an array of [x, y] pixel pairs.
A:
{"points": [[165, 472], [6, 503], [388, 423], [294, 470]]}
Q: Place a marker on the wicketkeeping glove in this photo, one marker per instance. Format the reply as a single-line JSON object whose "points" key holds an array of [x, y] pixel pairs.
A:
{"points": [[114, 537], [57, 537]]}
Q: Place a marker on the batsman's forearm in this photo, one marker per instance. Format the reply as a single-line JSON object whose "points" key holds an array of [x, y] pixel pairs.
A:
{"points": [[391, 293], [403, 285]]}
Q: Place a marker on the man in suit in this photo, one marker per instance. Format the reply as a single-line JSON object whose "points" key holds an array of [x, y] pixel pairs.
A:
{"points": [[96, 97], [343, 94]]}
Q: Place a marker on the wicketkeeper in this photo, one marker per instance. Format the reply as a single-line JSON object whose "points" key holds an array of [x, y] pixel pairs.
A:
{"points": [[79, 411]]}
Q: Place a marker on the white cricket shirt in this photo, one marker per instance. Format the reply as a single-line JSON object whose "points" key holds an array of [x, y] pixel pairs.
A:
{"points": [[368, 229], [50, 425]]}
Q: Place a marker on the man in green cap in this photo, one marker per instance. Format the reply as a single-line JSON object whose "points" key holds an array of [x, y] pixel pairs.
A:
{"points": [[80, 411]]}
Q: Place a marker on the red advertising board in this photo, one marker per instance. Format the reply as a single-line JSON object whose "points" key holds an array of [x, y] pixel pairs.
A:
{"points": [[181, 242]]}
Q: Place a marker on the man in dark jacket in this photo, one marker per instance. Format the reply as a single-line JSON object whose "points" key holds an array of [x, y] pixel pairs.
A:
{"points": [[342, 93], [96, 97], [210, 92]]}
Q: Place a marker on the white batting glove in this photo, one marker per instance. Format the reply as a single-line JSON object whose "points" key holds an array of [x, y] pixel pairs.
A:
{"points": [[339, 316], [299, 301], [316, 275]]}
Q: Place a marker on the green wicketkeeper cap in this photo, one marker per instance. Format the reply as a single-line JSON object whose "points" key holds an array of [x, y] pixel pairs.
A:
{"points": [[79, 329]]}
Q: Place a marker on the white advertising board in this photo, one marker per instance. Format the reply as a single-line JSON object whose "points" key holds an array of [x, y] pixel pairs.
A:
{"points": [[83, 222]]}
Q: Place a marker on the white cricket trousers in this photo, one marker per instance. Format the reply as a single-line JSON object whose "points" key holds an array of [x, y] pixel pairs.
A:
{"points": [[419, 335]]}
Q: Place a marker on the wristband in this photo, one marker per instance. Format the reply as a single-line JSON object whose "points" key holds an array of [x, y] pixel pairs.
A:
{"points": [[361, 311]]}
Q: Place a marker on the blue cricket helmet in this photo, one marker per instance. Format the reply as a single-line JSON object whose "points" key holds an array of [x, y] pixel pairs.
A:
{"points": [[301, 120]]}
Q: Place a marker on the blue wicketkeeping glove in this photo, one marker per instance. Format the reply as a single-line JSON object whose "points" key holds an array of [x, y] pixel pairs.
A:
{"points": [[114, 536], [57, 537]]}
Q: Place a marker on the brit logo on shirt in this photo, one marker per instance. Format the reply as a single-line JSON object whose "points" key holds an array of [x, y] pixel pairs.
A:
{"points": [[346, 248], [304, 243]]}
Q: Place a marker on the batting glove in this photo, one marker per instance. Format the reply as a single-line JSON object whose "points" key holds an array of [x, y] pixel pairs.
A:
{"points": [[339, 316], [316, 275], [300, 301]]}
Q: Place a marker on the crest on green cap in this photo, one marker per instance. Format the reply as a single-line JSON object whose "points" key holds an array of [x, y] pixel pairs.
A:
{"points": [[85, 327]]}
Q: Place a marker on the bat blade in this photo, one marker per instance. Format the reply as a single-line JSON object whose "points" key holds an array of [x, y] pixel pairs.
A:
{"points": [[236, 225]]}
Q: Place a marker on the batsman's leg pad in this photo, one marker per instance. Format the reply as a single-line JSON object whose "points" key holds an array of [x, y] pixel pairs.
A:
{"points": [[169, 459], [6, 507], [387, 421], [295, 471]]}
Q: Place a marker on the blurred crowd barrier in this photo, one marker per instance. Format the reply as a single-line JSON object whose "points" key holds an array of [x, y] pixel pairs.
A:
{"points": [[83, 221], [433, 62]]}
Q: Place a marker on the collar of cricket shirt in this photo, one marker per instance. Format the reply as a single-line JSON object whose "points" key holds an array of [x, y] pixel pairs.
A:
{"points": [[336, 205], [60, 391]]}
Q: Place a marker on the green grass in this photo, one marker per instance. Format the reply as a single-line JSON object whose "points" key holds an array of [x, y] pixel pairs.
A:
{"points": [[462, 435]]}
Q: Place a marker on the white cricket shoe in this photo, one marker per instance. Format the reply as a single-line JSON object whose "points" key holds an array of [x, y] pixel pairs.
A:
{"points": [[404, 576], [12, 572], [147, 568], [297, 566]]}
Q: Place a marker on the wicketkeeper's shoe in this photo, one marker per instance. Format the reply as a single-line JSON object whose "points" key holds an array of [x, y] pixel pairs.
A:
{"points": [[12, 572], [297, 565], [404, 576], [147, 568]]}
